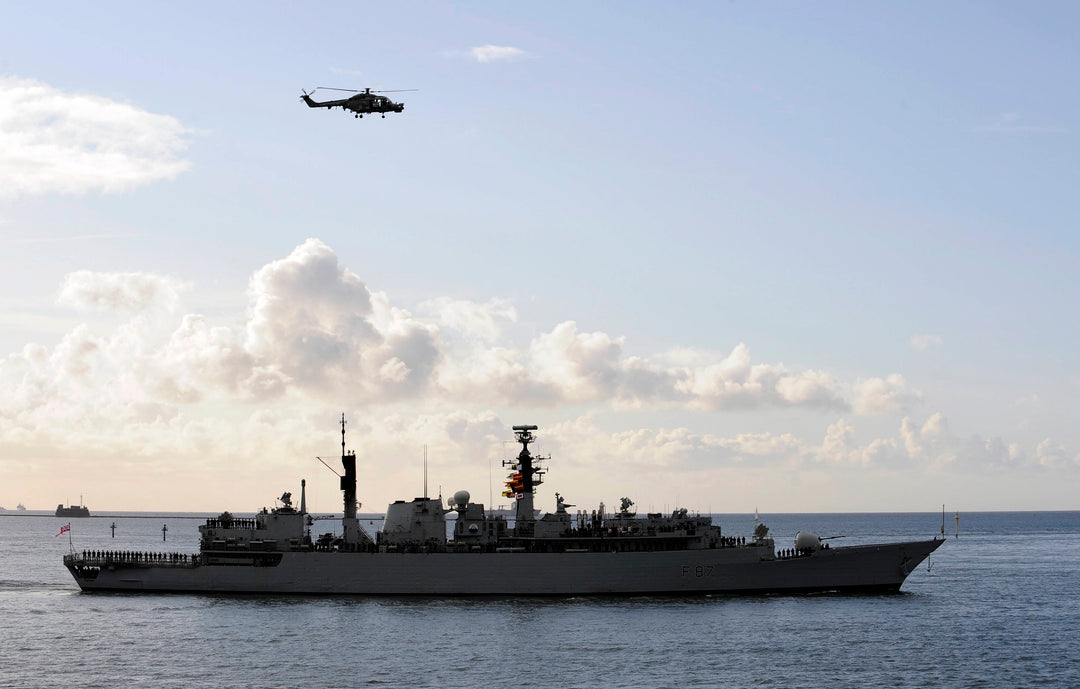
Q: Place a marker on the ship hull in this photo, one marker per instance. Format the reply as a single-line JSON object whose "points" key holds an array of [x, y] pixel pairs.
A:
{"points": [[742, 570]]}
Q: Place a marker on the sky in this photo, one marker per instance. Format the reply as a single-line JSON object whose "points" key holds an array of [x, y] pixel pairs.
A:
{"points": [[792, 257]]}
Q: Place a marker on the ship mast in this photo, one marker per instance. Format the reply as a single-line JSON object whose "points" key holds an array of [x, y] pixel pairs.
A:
{"points": [[349, 523], [526, 477]]}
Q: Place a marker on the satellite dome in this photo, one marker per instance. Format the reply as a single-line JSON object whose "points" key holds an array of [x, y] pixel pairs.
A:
{"points": [[474, 529], [461, 498], [807, 540]]}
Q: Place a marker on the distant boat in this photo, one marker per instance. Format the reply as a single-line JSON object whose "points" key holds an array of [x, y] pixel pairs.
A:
{"points": [[21, 507], [72, 511]]}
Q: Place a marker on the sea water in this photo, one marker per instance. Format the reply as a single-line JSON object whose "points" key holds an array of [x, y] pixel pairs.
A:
{"points": [[997, 607]]}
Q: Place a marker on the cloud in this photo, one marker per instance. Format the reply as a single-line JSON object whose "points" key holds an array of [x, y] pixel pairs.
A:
{"points": [[495, 53], [84, 289], [930, 446], [68, 143], [581, 441], [566, 365], [471, 319], [317, 325], [884, 395], [935, 446], [315, 335], [201, 360], [585, 366], [924, 342], [314, 330], [736, 382], [1053, 455]]}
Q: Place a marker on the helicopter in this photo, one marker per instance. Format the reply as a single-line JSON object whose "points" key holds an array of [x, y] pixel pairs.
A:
{"points": [[364, 102]]}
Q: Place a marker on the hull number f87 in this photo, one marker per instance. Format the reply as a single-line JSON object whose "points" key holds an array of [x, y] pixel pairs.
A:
{"points": [[698, 571]]}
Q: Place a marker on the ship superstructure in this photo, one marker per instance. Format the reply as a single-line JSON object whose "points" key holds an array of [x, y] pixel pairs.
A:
{"points": [[484, 553], [79, 510]]}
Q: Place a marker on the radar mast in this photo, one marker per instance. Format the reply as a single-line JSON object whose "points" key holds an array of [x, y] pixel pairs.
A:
{"points": [[525, 476], [351, 534]]}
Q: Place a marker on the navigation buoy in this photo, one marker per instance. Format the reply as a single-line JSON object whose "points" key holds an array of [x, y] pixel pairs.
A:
{"points": [[164, 528]]}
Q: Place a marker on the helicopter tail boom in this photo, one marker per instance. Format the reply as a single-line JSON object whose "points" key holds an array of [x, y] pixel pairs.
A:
{"points": [[306, 97]]}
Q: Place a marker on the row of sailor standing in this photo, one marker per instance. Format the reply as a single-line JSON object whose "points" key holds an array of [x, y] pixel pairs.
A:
{"points": [[129, 556]]}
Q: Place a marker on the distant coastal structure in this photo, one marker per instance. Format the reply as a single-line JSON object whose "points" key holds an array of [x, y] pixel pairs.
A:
{"points": [[72, 511]]}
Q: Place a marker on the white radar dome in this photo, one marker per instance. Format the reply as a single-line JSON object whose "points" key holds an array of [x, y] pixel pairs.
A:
{"points": [[461, 498], [806, 540]]}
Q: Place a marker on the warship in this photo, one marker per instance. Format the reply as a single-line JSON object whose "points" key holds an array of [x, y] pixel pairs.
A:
{"points": [[419, 551]]}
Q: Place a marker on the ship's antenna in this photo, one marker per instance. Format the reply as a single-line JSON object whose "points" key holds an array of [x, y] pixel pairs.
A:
{"points": [[328, 466], [943, 521], [342, 434], [425, 471]]}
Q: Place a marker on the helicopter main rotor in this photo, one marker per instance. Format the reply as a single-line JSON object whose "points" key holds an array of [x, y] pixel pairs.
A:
{"points": [[332, 88]]}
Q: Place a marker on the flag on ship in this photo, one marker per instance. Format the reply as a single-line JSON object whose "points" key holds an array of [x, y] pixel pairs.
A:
{"points": [[63, 530]]}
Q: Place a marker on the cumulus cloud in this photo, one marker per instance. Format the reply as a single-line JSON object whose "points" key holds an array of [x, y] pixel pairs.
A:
{"points": [[471, 319], [839, 448], [928, 446], [313, 329], [736, 382], [52, 141], [884, 395], [316, 324], [566, 365], [583, 442], [84, 289], [935, 445], [1053, 455], [932, 445], [201, 360], [585, 365], [924, 342], [314, 334], [494, 53]]}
